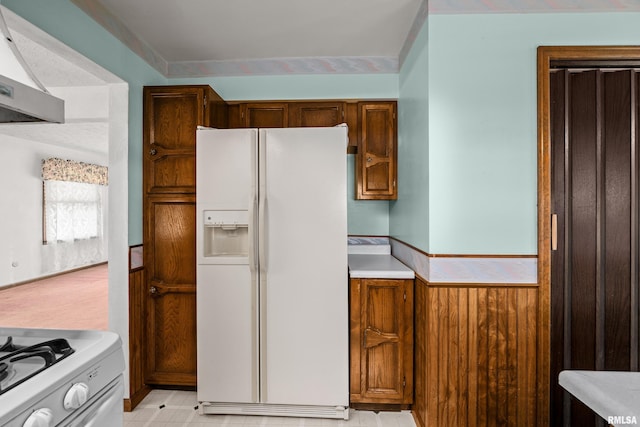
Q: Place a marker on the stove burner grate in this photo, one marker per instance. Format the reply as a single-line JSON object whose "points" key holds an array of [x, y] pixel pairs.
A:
{"points": [[50, 352]]}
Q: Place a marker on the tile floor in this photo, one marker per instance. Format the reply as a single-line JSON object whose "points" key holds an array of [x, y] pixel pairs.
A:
{"points": [[174, 408]]}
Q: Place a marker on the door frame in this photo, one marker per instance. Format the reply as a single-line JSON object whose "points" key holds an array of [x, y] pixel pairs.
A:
{"points": [[547, 54]]}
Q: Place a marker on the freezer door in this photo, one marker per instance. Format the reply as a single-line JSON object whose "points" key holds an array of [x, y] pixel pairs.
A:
{"points": [[303, 248], [227, 286], [227, 334]]}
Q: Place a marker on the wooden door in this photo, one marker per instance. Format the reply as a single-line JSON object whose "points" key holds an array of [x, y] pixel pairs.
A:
{"points": [[382, 341], [170, 119], [171, 115], [171, 306], [376, 161], [264, 115], [594, 261], [320, 114]]}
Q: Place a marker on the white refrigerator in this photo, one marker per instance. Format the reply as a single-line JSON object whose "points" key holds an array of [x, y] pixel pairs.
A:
{"points": [[272, 279]]}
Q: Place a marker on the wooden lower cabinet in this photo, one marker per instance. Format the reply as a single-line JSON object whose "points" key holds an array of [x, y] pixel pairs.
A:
{"points": [[476, 355], [170, 265], [381, 317]]}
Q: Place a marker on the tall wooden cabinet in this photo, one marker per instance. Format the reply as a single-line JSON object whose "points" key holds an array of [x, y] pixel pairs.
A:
{"points": [[171, 115], [381, 321]]}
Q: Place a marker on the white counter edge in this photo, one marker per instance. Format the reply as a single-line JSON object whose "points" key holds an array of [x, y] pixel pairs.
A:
{"points": [[611, 395]]}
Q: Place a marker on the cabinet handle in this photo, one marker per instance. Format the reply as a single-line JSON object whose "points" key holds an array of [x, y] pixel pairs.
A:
{"points": [[369, 159], [153, 151], [153, 290], [554, 232], [374, 337]]}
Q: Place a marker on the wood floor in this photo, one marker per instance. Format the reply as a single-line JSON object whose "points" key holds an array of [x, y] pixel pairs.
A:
{"points": [[76, 300]]}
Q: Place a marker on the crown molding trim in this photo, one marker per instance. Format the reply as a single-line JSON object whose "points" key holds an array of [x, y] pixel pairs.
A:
{"points": [[418, 23], [285, 66], [461, 7], [112, 24]]}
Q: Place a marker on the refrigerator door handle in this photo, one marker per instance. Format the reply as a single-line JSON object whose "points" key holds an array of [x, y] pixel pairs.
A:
{"points": [[253, 261], [262, 205]]}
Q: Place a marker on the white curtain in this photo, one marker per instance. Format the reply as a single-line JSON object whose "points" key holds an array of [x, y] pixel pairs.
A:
{"points": [[73, 211], [74, 224]]}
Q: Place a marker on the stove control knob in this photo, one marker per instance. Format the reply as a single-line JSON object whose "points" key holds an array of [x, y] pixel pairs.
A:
{"points": [[77, 395], [40, 418]]}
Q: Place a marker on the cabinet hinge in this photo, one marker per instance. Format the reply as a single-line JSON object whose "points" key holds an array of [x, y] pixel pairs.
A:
{"points": [[404, 382], [204, 102], [405, 296], [343, 114]]}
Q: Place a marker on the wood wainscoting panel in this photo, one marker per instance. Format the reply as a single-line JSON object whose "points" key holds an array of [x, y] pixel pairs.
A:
{"points": [[137, 293], [476, 355], [419, 408]]}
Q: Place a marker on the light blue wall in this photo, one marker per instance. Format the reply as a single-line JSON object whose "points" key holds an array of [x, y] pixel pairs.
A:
{"points": [[482, 134], [409, 215], [70, 25]]}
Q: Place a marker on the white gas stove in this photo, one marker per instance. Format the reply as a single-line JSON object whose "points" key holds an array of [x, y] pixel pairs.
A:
{"points": [[51, 378]]}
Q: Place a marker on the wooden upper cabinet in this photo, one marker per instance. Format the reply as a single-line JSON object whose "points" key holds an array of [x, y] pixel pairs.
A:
{"points": [[376, 158], [326, 113], [316, 114], [264, 115], [171, 115]]}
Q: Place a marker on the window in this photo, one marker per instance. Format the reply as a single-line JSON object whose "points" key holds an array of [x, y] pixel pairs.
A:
{"points": [[73, 211], [74, 200]]}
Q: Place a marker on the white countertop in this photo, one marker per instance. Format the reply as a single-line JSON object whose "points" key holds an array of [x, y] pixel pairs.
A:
{"points": [[376, 262], [607, 393]]}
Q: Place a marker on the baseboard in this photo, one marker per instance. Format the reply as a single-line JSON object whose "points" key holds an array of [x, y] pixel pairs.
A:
{"points": [[131, 403], [384, 407], [50, 276]]}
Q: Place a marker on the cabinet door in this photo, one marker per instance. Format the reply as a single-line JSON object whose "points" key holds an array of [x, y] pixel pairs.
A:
{"points": [[320, 114], [376, 161], [264, 115], [382, 319], [170, 265], [171, 115]]}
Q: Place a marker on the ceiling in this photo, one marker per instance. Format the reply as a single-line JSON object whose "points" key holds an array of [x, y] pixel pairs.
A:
{"points": [[191, 38]]}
